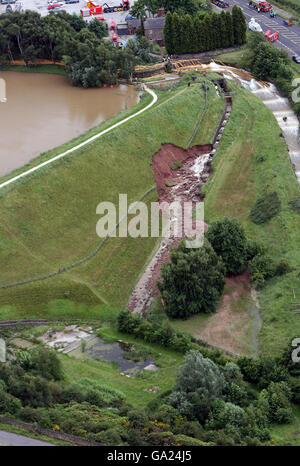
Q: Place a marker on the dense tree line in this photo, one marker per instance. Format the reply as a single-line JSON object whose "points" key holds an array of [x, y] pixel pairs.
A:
{"points": [[90, 60], [188, 34]]}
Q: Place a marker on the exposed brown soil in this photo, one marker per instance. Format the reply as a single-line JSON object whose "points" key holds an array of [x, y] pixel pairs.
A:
{"points": [[169, 154], [231, 327], [186, 184]]}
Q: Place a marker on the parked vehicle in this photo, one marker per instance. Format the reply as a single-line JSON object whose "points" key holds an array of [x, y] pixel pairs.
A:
{"points": [[296, 59], [125, 5], [52, 6], [94, 9], [254, 26], [5, 2], [271, 36], [260, 6], [129, 17], [220, 3], [72, 1]]}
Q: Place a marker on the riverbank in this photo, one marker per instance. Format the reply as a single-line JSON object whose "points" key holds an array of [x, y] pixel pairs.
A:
{"points": [[37, 68]]}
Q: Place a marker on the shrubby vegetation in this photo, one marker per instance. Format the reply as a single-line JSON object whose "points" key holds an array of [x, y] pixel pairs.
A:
{"points": [[211, 402], [193, 34], [265, 208], [193, 281]]}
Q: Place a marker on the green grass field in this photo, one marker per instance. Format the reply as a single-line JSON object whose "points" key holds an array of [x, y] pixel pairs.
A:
{"points": [[49, 220]]}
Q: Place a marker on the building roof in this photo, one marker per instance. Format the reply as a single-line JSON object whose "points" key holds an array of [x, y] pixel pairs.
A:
{"points": [[134, 23], [154, 23]]}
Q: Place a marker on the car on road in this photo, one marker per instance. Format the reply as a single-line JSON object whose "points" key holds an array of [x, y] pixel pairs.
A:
{"points": [[71, 1], [220, 3], [129, 17], [254, 26], [53, 6], [296, 59]]}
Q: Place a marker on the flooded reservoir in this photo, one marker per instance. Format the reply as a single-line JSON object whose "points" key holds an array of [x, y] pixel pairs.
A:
{"points": [[44, 111]]}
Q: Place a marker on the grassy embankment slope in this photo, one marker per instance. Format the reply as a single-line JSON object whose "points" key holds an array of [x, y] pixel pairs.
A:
{"points": [[239, 179], [49, 220]]}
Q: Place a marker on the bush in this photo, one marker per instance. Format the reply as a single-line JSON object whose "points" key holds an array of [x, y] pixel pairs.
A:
{"points": [[275, 401], [295, 204], [261, 268], [265, 208], [40, 361], [254, 249], [8, 403], [283, 267], [228, 240]]}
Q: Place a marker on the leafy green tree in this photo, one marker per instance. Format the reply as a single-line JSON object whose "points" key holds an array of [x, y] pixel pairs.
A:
{"points": [[215, 32], [275, 401], [239, 25], [138, 10], [228, 239], [209, 38], [176, 26], [192, 282], [98, 28], [229, 29], [226, 414], [199, 382], [201, 375], [168, 33]]}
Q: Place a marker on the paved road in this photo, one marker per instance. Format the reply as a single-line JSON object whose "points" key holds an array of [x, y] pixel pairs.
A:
{"points": [[9, 439], [289, 36]]}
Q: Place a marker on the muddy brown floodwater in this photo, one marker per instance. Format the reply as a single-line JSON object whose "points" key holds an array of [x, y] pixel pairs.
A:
{"points": [[44, 111]]}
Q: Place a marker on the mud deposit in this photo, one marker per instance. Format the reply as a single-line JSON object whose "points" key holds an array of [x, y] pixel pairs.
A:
{"points": [[184, 184]]}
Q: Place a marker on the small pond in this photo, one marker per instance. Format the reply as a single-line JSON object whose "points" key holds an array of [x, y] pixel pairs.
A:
{"points": [[96, 348]]}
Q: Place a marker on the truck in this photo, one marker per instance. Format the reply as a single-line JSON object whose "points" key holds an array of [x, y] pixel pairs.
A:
{"points": [[94, 9], [125, 5], [260, 6], [91, 10]]}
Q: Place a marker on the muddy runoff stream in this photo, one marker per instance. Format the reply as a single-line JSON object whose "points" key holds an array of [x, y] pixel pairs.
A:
{"points": [[44, 111]]}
